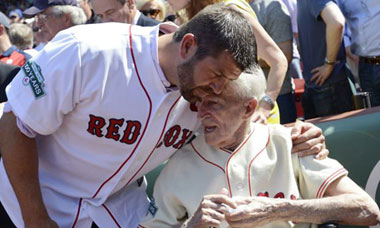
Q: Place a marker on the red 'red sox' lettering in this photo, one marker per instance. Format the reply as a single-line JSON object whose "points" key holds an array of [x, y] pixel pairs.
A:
{"points": [[130, 135], [128, 131], [172, 134]]}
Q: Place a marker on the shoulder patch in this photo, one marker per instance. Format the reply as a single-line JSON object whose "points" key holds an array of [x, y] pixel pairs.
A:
{"points": [[33, 78]]}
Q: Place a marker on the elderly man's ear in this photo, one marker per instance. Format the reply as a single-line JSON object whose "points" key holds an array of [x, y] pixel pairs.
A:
{"points": [[250, 107]]}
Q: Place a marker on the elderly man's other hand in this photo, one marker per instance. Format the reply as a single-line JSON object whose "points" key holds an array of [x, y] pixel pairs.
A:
{"points": [[308, 139], [253, 212], [210, 212]]}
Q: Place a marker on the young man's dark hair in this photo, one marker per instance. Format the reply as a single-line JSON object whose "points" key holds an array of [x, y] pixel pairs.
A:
{"points": [[218, 28]]}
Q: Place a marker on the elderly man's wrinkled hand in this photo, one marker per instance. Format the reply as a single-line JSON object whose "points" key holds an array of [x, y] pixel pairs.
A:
{"points": [[308, 140], [252, 212], [210, 212]]}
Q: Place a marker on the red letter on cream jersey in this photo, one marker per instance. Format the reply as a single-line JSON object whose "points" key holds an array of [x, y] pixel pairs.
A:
{"points": [[132, 131], [113, 129], [95, 125]]}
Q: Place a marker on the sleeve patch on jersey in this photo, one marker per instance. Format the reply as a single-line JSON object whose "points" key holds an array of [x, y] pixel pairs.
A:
{"points": [[33, 78]]}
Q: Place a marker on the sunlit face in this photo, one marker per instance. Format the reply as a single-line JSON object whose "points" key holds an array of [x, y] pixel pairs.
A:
{"points": [[112, 11], [51, 24], [14, 19], [222, 117], [178, 4], [198, 78], [151, 9]]}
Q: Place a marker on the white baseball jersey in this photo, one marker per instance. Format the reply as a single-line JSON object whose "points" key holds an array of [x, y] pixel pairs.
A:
{"points": [[97, 99], [261, 166]]}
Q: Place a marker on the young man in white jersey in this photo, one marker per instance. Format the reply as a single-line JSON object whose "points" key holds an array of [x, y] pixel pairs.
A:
{"points": [[87, 118], [267, 186]]}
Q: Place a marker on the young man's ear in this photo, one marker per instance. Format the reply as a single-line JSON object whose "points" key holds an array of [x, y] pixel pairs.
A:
{"points": [[188, 46], [250, 107]]}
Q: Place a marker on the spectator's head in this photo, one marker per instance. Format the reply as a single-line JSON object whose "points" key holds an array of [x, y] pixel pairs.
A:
{"points": [[154, 9], [15, 16], [21, 35], [214, 49], [4, 38], [4, 21], [122, 11], [192, 7], [226, 117], [39, 35], [56, 15]]}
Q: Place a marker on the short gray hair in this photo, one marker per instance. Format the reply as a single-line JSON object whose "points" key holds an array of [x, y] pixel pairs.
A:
{"points": [[21, 35], [76, 13], [249, 85]]}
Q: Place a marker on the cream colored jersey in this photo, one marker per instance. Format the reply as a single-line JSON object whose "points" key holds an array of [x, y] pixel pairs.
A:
{"points": [[97, 98], [261, 166]]}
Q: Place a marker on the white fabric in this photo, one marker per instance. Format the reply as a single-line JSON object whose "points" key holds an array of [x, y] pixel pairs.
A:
{"points": [[136, 18], [87, 79], [198, 169]]}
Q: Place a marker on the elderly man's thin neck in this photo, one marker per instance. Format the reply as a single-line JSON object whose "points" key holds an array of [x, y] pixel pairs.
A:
{"points": [[240, 135]]}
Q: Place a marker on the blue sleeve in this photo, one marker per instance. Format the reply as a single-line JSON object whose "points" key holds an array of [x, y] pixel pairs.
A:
{"points": [[316, 7]]}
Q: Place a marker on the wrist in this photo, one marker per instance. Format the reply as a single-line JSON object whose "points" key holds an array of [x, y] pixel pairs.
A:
{"points": [[284, 210], [329, 63], [266, 102]]}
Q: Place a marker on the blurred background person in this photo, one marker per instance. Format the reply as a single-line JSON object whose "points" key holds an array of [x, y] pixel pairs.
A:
{"points": [[275, 19], [9, 53], [21, 35], [40, 37], [16, 16], [124, 11], [321, 28], [294, 69], [363, 19], [55, 15], [90, 14], [154, 9]]}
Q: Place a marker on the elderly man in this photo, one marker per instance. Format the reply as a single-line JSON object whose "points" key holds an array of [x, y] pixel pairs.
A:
{"points": [[56, 15], [267, 186], [124, 11]]}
